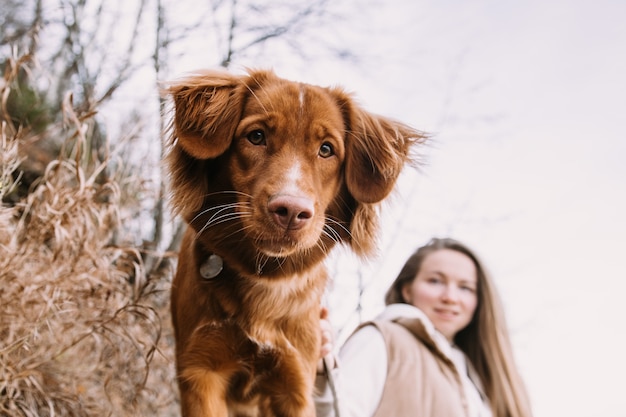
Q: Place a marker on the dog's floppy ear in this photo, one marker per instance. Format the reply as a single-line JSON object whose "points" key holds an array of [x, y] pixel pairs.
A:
{"points": [[207, 109], [377, 149]]}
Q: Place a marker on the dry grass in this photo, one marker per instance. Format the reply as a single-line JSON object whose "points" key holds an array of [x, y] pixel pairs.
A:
{"points": [[82, 331]]}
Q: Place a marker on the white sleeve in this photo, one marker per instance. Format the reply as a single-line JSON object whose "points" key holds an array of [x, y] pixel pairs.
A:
{"points": [[323, 397], [362, 372], [359, 377]]}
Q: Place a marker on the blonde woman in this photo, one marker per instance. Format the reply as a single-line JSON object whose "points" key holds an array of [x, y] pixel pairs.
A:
{"points": [[440, 348]]}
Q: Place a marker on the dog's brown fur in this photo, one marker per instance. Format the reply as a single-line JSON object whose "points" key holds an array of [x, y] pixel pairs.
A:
{"points": [[270, 174]]}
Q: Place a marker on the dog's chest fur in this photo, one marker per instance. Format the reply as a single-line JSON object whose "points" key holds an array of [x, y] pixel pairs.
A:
{"points": [[256, 317]]}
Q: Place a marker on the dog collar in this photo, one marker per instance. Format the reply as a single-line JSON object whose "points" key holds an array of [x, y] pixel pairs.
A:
{"points": [[211, 267]]}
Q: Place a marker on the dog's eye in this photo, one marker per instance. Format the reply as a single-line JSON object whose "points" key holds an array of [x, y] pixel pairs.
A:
{"points": [[326, 150], [256, 137]]}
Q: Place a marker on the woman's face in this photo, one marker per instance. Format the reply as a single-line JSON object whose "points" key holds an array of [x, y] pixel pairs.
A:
{"points": [[445, 289]]}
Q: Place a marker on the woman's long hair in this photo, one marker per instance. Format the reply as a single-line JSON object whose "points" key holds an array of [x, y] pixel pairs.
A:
{"points": [[485, 340]]}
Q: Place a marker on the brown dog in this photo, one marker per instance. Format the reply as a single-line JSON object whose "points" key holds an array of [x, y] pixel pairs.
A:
{"points": [[270, 174]]}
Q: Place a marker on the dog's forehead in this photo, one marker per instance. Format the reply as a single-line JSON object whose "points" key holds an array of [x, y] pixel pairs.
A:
{"points": [[299, 102]]}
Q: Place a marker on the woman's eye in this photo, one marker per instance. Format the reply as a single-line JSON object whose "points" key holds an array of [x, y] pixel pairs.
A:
{"points": [[326, 150], [434, 280], [256, 137]]}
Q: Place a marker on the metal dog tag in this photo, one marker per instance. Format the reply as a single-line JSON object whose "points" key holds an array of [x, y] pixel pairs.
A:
{"points": [[211, 267]]}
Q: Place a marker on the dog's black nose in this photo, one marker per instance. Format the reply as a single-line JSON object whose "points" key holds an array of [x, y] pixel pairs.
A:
{"points": [[290, 212]]}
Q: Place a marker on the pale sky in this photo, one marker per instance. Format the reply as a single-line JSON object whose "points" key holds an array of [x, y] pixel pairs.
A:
{"points": [[527, 105], [526, 102]]}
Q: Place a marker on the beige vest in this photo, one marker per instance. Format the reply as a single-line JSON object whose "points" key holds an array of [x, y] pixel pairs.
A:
{"points": [[416, 366]]}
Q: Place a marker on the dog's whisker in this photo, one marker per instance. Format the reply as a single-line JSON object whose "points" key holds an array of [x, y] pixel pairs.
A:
{"points": [[323, 247], [219, 207], [223, 219], [332, 234], [216, 207], [208, 225], [261, 261], [219, 212], [321, 244], [329, 227], [219, 218], [281, 262], [339, 223]]}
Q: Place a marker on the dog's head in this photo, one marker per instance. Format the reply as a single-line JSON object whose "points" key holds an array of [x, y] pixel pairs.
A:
{"points": [[292, 167]]}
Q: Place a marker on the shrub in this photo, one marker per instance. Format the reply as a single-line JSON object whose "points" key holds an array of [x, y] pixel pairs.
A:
{"points": [[83, 330]]}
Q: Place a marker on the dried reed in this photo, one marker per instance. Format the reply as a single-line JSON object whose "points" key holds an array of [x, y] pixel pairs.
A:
{"points": [[82, 331]]}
